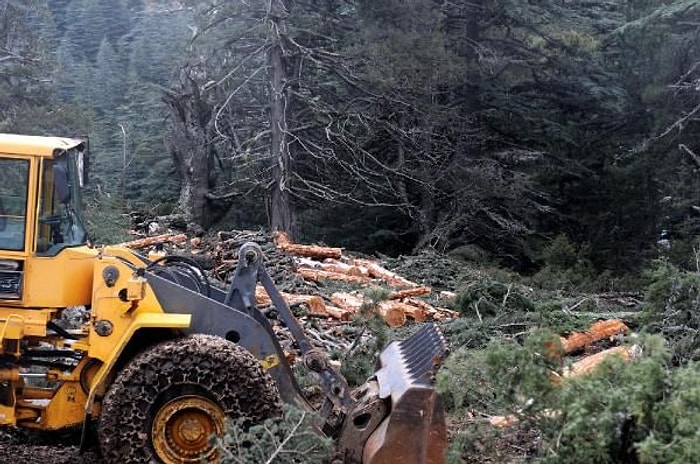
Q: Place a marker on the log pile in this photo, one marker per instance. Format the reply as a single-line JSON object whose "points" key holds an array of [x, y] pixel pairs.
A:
{"points": [[306, 276], [319, 264]]}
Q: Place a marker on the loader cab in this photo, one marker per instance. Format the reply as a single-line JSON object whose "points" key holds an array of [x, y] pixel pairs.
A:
{"points": [[40, 209]]}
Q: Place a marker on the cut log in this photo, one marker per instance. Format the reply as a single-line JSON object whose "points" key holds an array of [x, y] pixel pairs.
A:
{"points": [[377, 271], [311, 251], [416, 313], [318, 275], [590, 363], [150, 241], [335, 267], [409, 292], [314, 302], [339, 313], [391, 311], [347, 301], [597, 331], [445, 295], [392, 314], [433, 312]]}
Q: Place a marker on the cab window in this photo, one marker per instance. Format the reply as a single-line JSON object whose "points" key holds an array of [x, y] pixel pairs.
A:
{"points": [[14, 183], [60, 223]]}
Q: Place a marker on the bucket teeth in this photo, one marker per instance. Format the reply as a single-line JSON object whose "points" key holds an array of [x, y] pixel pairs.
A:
{"points": [[411, 362], [423, 353]]}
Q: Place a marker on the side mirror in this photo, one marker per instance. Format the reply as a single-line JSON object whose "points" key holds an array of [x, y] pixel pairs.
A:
{"points": [[60, 183]]}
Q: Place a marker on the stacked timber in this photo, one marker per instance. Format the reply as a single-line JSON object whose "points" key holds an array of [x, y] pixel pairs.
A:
{"points": [[302, 273], [319, 264]]}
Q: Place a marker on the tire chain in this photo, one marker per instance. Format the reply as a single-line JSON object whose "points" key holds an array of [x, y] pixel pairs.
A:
{"points": [[227, 372]]}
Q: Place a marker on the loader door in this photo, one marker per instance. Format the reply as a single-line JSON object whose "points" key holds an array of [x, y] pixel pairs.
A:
{"points": [[60, 219], [14, 188]]}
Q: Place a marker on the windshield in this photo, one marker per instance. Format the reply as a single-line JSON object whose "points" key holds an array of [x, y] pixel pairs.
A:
{"points": [[60, 219], [14, 180]]}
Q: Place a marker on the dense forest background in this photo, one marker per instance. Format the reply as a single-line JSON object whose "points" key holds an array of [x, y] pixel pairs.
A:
{"points": [[483, 128]]}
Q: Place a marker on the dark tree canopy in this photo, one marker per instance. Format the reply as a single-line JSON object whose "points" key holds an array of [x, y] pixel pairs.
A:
{"points": [[390, 126]]}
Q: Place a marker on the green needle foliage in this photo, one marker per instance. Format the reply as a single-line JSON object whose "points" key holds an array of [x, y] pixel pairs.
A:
{"points": [[290, 439]]}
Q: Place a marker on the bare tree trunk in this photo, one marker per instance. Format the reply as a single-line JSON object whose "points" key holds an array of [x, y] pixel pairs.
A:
{"points": [[282, 212], [189, 147]]}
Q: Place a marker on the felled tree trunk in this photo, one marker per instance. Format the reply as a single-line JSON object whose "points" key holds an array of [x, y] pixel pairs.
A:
{"points": [[597, 331]]}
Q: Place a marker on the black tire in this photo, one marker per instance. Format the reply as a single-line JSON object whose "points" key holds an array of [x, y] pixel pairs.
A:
{"points": [[208, 369]]}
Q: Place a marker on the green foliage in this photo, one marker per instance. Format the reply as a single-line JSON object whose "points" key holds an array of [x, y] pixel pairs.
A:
{"points": [[674, 439], [372, 335], [672, 308], [505, 377], [106, 223], [293, 438], [620, 412], [565, 267], [554, 316], [488, 298]]}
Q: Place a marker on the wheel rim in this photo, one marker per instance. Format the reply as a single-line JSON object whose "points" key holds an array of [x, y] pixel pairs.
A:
{"points": [[182, 427]]}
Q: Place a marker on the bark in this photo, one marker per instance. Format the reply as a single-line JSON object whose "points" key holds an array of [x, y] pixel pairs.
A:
{"points": [[282, 214], [188, 144]]}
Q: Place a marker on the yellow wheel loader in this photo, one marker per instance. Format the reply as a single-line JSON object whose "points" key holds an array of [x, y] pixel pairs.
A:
{"points": [[161, 358]]}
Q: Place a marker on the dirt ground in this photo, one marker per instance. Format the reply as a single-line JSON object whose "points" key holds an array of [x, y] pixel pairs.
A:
{"points": [[27, 447]]}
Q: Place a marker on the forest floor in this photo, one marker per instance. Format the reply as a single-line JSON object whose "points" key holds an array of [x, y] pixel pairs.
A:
{"points": [[494, 304]]}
